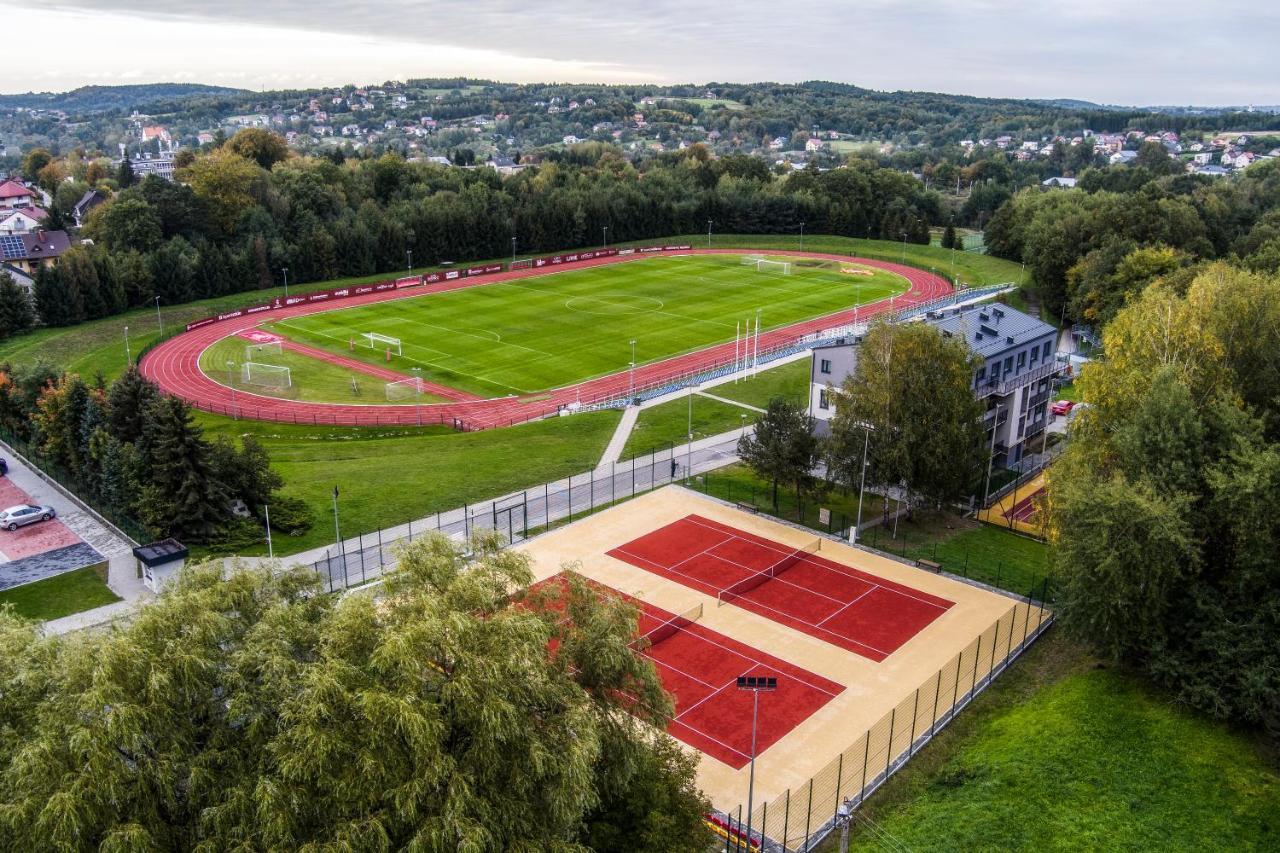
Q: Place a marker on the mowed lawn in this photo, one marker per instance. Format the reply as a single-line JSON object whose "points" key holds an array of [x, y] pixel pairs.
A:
{"points": [[543, 332], [309, 379]]}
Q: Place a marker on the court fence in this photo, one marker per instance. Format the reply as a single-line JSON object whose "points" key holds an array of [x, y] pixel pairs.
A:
{"points": [[801, 817]]}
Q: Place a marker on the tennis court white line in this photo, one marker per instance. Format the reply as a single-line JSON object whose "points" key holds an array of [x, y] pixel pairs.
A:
{"points": [[847, 571], [850, 604], [696, 584]]}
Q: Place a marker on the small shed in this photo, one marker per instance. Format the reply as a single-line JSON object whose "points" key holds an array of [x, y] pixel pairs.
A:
{"points": [[160, 561]]}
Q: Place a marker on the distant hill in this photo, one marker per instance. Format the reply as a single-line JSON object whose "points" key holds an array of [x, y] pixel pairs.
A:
{"points": [[100, 99]]}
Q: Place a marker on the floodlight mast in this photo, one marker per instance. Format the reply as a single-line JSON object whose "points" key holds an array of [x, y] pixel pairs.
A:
{"points": [[757, 684]]}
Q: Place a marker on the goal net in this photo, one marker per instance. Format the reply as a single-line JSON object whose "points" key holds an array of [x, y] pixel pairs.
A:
{"points": [[751, 260], [522, 264], [265, 375], [383, 342], [253, 351], [766, 265], [404, 389]]}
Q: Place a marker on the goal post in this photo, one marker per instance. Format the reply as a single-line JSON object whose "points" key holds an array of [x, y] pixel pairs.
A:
{"points": [[404, 389], [253, 351], [266, 375], [766, 265], [383, 342], [521, 264]]}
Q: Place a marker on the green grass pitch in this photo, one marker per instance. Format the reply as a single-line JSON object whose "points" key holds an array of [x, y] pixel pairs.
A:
{"points": [[532, 334]]}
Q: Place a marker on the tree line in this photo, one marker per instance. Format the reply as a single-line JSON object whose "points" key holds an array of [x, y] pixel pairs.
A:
{"points": [[141, 458], [242, 214]]}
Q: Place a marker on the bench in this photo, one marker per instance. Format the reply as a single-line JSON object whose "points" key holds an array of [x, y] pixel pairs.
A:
{"points": [[936, 568], [743, 505]]}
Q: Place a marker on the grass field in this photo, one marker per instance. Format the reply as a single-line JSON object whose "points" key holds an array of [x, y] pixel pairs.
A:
{"points": [[789, 381], [60, 595], [528, 335], [667, 424], [310, 379], [1062, 754], [390, 476]]}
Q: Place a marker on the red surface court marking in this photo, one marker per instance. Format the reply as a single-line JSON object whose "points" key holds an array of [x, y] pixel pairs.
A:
{"points": [[174, 364], [34, 538], [857, 611], [699, 667]]}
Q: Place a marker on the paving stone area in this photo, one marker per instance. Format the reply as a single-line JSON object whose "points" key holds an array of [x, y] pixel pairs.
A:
{"points": [[40, 566]]}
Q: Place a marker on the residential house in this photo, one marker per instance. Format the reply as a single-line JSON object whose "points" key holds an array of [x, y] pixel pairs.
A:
{"points": [[87, 202], [16, 194], [30, 252], [21, 220], [1014, 379], [813, 144], [1122, 158], [161, 166], [1058, 183], [20, 278]]}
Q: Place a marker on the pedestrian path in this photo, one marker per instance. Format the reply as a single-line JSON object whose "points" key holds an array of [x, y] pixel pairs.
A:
{"points": [[727, 401], [620, 435]]}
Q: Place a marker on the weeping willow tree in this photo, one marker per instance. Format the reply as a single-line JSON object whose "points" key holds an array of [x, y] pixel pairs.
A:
{"points": [[455, 711]]}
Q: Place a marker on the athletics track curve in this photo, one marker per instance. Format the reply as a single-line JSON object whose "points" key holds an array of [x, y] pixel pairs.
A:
{"points": [[174, 364]]}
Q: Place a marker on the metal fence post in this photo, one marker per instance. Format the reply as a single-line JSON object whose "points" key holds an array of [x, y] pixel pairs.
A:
{"points": [[915, 715], [933, 720], [888, 750], [808, 814], [955, 693], [977, 654], [835, 810], [866, 759], [786, 819]]}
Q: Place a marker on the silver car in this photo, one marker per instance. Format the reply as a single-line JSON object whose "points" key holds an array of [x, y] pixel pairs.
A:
{"points": [[24, 514]]}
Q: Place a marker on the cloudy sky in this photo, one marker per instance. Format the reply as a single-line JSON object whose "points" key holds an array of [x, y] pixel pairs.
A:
{"points": [[1112, 51]]}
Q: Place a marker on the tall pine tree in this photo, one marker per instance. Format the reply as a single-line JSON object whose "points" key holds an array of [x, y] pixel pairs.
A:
{"points": [[17, 314], [182, 498]]}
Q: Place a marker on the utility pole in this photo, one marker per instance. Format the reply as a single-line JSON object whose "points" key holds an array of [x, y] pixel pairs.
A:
{"points": [[631, 398], [271, 554], [604, 237], [159, 319], [337, 531], [708, 233], [409, 256], [513, 248], [128, 357], [802, 235]]}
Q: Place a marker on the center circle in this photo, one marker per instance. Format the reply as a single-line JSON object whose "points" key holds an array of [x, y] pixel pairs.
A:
{"points": [[616, 306]]}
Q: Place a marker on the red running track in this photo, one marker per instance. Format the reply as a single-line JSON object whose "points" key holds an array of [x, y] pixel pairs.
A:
{"points": [[174, 364]]}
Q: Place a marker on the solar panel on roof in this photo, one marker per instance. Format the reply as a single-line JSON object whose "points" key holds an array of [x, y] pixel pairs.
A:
{"points": [[12, 247]]}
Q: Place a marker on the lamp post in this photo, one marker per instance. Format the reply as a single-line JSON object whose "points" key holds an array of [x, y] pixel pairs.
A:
{"points": [[757, 684], [271, 554], [231, 383], [862, 484], [417, 387], [285, 272], [708, 233], [755, 359], [995, 426], [904, 245], [632, 396], [337, 531], [128, 357], [513, 248], [604, 236], [802, 235], [688, 464], [744, 426], [159, 319], [408, 253]]}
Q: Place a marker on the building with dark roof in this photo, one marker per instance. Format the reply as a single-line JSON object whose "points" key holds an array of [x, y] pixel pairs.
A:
{"points": [[29, 252], [87, 202], [1015, 379]]}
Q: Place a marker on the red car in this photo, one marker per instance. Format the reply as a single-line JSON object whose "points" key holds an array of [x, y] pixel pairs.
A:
{"points": [[1062, 407]]}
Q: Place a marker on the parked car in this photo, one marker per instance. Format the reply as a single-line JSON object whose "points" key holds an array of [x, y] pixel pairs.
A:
{"points": [[1062, 407], [4, 466], [24, 514]]}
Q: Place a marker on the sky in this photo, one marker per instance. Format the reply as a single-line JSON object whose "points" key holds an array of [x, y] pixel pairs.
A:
{"points": [[1138, 52]]}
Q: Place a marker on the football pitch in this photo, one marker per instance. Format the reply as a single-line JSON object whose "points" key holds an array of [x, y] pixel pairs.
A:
{"points": [[542, 332]]}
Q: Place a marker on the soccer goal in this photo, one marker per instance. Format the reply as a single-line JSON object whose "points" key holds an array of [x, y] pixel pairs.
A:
{"points": [[521, 264], [266, 375], [383, 342], [766, 265], [404, 389], [253, 351]]}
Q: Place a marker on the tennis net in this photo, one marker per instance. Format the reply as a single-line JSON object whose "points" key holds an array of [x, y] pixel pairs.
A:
{"points": [[667, 628], [742, 587]]}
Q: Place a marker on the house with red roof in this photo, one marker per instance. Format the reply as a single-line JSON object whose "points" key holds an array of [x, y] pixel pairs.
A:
{"points": [[16, 194], [21, 220]]}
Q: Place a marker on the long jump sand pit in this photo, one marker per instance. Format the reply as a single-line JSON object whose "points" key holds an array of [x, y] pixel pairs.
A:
{"points": [[883, 650]]}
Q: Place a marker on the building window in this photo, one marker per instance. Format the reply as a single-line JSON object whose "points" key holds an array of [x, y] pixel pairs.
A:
{"points": [[824, 366], [1035, 354], [1008, 364], [823, 402], [1047, 344], [1022, 360]]}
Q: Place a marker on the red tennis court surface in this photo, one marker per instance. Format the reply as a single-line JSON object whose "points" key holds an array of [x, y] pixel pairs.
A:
{"points": [[856, 611], [699, 667], [1025, 509]]}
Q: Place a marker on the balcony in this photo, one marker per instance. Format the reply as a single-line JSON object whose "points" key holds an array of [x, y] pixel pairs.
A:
{"points": [[1011, 384]]}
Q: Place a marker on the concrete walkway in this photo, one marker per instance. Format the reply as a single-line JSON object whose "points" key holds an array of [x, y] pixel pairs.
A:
{"points": [[727, 401], [620, 435]]}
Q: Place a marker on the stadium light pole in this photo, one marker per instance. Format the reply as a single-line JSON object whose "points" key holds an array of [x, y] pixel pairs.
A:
{"points": [[632, 395], [604, 232], [337, 531], [802, 235], [231, 383], [417, 386], [904, 245], [285, 272], [755, 361], [708, 233], [128, 357], [159, 319], [513, 248], [409, 258], [757, 684]]}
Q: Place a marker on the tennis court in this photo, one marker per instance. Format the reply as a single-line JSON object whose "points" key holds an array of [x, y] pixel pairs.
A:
{"points": [[699, 667], [857, 611]]}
